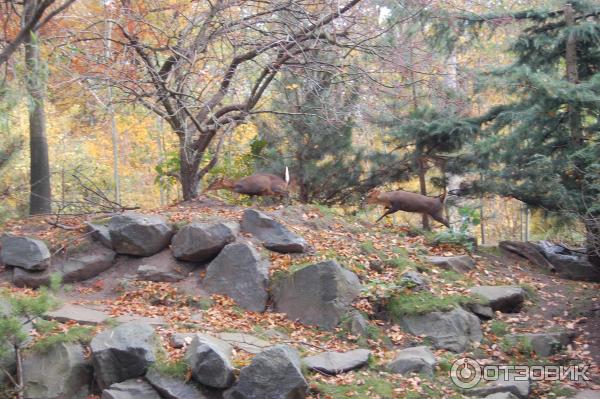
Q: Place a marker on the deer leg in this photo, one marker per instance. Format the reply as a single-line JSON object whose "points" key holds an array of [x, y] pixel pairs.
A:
{"points": [[388, 212], [440, 218]]}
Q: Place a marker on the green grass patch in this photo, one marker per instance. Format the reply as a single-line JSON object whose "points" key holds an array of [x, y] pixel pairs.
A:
{"points": [[172, 368], [558, 390], [406, 304], [499, 327], [367, 247], [81, 334], [530, 292], [371, 387]]}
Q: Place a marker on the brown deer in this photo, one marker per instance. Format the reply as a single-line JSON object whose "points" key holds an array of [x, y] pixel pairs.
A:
{"points": [[395, 201], [258, 184]]}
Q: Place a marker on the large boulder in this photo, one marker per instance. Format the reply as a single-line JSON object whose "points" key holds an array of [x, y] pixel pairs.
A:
{"points": [[503, 298], [455, 330], [33, 279], [158, 267], [506, 383], [568, 263], [273, 374], [85, 265], [460, 264], [543, 344], [318, 294], [528, 251], [140, 235], [100, 233], [273, 235], [172, 388], [418, 359], [131, 389], [246, 342], [333, 363], [240, 273], [62, 372], [24, 252], [123, 353], [200, 242], [209, 359]]}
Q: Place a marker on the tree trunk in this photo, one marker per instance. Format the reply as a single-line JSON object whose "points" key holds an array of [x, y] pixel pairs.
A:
{"points": [[572, 74], [40, 191], [189, 161], [423, 188]]}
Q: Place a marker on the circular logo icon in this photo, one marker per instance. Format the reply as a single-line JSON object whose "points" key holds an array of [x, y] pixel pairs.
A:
{"points": [[465, 373]]}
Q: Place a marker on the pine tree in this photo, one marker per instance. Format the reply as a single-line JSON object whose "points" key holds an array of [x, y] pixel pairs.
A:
{"points": [[543, 146], [313, 137]]}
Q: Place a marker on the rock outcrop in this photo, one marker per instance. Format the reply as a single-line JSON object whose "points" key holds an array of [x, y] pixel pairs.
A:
{"points": [[333, 363], [240, 273], [503, 298], [61, 372], [201, 242], [273, 235], [273, 374], [318, 294], [209, 359], [24, 252], [123, 353], [140, 235], [455, 330], [418, 359]]}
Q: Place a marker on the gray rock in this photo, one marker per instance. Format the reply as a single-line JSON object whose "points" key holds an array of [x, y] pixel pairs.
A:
{"points": [[528, 251], [414, 280], [501, 395], [172, 388], [273, 374], [200, 242], [240, 273], [140, 235], [333, 363], [357, 324], [179, 340], [318, 294], [134, 318], [505, 298], [272, 234], [418, 359], [544, 344], [24, 278], [460, 264], [77, 313], [482, 311], [568, 263], [162, 274], [24, 252], [131, 389], [159, 267], [246, 342], [456, 330], [587, 394], [508, 384], [210, 361], [86, 265], [100, 233], [62, 372], [123, 353]]}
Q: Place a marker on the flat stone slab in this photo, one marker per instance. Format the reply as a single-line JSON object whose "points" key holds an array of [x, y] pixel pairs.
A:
{"points": [[460, 264], [416, 359], [153, 321], [543, 344], [246, 342], [521, 389], [505, 298], [78, 313], [337, 362], [587, 394]]}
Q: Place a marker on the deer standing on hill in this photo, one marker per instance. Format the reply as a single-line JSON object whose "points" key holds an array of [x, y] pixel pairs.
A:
{"points": [[258, 184], [395, 201]]}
